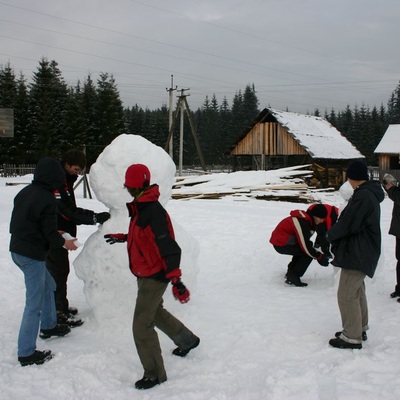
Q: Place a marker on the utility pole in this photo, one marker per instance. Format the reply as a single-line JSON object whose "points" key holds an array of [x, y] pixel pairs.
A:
{"points": [[181, 107], [171, 113]]}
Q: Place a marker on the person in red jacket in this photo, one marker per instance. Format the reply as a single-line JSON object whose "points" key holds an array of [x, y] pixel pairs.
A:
{"points": [[154, 258], [292, 236], [321, 241]]}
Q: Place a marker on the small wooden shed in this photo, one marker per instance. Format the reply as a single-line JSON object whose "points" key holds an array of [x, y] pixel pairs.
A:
{"points": [[388, 151], [279, 139]]}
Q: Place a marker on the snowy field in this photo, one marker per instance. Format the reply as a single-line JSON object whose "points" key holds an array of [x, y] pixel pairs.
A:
{"points": [[260, 338]]}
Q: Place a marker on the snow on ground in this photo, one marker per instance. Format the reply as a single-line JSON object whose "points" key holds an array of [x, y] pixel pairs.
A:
{"points": [[260, 339]]}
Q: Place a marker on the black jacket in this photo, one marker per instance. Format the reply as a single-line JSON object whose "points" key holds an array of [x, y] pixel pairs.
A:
{"points": [[394, 195], [356, 236], [69, 215], [33, 224]]}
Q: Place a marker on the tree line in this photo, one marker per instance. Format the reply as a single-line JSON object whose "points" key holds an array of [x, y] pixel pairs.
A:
{"points": [[51, 117]]}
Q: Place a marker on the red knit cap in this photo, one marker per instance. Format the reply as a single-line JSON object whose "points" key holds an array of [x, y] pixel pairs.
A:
{"points": [[137, 176]]}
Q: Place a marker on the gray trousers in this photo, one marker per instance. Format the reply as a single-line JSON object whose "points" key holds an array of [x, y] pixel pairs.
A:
{"points": [[150, 313], [352, 305]]}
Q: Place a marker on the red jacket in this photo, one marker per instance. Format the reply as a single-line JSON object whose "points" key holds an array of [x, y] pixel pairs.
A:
{"points": [[152, 249], [295, 230]]}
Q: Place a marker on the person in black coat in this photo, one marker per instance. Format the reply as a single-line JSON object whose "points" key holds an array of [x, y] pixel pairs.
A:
{"points": [[33, 229], [356, 246], [390, 184], [73, 163]]}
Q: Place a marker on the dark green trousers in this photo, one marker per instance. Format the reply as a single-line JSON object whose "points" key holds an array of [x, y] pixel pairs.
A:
{"points": [[150, 314]]}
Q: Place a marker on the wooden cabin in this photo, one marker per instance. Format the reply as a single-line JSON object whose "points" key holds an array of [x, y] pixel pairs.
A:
{"points": [[279, 139], [388, 151]]}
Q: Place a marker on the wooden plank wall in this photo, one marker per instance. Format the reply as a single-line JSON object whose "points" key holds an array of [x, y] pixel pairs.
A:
{"points": [[268, 138], [384, 162]]}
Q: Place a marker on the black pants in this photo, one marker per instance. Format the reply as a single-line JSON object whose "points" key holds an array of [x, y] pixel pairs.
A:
{"points": [[57, 263], [300, 261], [397, 288]]}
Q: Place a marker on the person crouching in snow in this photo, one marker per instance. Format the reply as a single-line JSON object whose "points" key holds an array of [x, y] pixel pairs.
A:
{"points": [[154, 258], [292, 236], [321, 241]]}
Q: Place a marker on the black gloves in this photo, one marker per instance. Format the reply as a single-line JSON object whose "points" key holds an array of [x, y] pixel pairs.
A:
{"points": [[101, 217], [112, 238], [323, 260]]}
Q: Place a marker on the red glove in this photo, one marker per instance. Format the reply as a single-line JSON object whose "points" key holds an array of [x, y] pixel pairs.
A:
{"points": [[180, 291], [112, 238]]}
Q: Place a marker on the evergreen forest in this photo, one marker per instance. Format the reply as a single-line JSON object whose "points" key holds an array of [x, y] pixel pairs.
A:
{"points": [[51, 117]]}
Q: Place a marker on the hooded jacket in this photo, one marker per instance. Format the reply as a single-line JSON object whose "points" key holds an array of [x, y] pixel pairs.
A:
{"points": [[33, 224], [152, 249], [356, 236], [296, 230]]}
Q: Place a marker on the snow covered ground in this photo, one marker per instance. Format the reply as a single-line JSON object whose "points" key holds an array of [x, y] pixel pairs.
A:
{"points": [[260, 339]]}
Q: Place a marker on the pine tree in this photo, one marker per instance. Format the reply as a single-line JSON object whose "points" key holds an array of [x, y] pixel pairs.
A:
{"points": [[208, 129], [21, 118], [90, 129], [8, 95], [250, 105], [75, 134], [47, 105], [110, 116], [378, 128], [225, 121], [394, 106], [244, 111]]}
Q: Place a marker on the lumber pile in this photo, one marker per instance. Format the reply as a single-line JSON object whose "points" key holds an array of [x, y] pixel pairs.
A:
{"points": [[285, 184]]}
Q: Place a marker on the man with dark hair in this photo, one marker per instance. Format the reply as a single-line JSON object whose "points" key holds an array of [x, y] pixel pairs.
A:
{"points": [[356, 246], [73, 163], [292, 236], [33, 229]]}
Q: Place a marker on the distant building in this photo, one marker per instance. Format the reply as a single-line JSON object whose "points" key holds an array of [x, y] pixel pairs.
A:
{"points": [[388, 151], [279, 139]]}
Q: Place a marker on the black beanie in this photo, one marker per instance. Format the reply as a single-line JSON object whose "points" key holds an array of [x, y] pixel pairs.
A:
{"points": [[317, 210], [358, 171]]}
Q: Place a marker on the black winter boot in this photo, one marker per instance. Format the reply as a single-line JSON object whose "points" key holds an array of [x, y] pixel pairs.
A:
{"points": [[146, 383], [186, 341], [37, 357], [68, 319], [342, 344], [58, 330], [294, 280]]}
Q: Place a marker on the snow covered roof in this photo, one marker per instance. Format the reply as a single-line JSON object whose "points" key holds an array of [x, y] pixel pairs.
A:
{"points": [[390, 142], [316, 135]]}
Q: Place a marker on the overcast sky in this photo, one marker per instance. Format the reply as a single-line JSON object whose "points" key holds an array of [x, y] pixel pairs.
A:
{"points": [[300, 54]]}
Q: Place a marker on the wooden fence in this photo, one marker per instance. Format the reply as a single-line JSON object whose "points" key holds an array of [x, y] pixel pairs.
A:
{"points": [[10, 170]]}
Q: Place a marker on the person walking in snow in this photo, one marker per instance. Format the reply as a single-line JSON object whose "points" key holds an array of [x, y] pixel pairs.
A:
{"points": [[292, 236], [69, 216], [390, 184], [356, 246], [33, 229], [154, 258]]}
